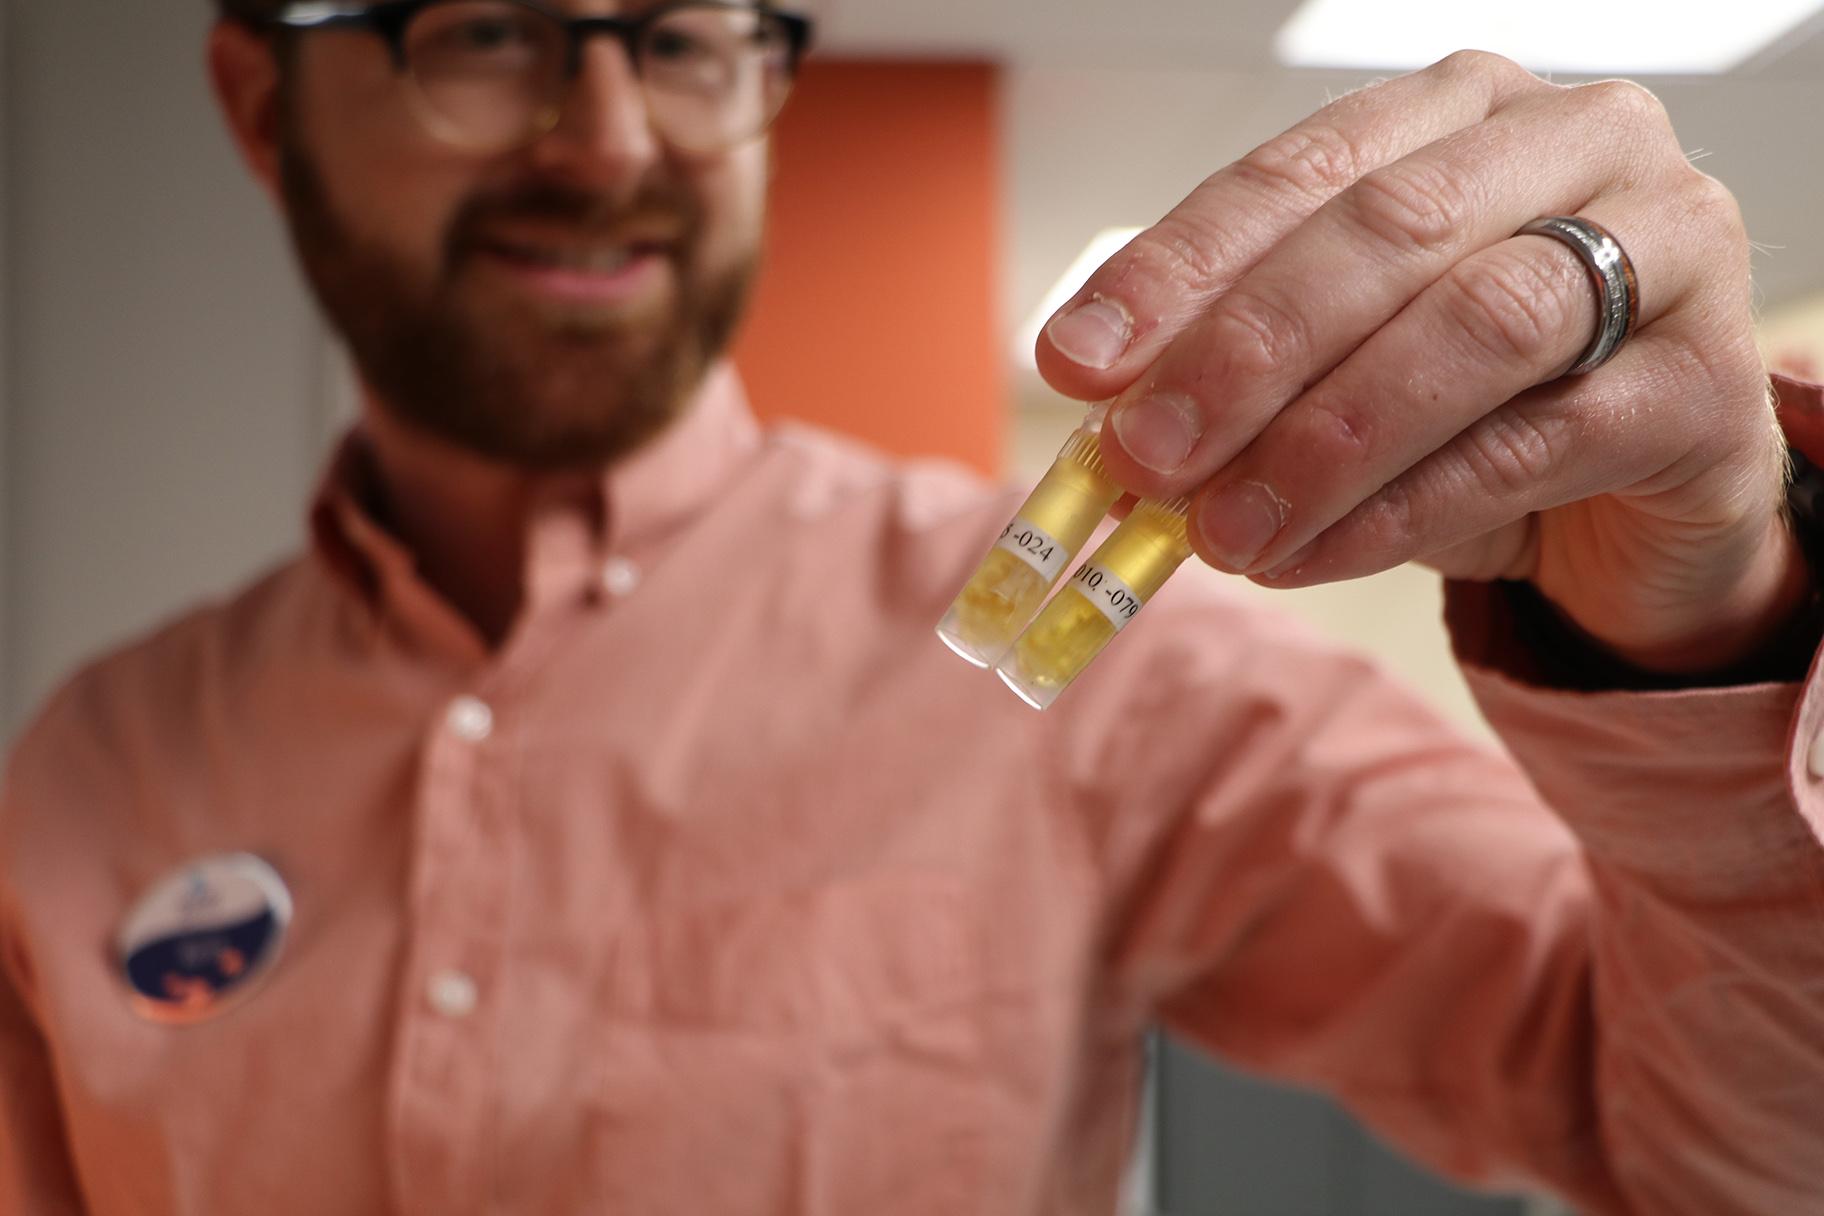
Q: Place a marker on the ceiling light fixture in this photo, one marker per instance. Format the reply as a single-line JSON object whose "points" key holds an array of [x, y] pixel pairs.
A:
{"points": [[1629, 37]]}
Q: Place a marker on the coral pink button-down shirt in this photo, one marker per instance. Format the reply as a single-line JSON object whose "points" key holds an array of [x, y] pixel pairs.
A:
{"points": [[722, 887]]}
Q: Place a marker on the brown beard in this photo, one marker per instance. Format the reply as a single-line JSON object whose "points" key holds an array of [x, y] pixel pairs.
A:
{"points": [[534, 392]]}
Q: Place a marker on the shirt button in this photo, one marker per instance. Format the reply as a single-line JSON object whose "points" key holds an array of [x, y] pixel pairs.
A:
{"points": [[453, 994], [470, 719], [1814, 760], [620, 576]]}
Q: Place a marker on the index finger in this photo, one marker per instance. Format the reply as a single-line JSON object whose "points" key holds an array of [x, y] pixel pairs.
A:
{"points": [[1144, 296]]}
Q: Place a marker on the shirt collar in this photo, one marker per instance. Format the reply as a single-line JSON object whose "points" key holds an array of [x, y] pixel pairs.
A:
{"points": [[668, 482], [626, 507]]}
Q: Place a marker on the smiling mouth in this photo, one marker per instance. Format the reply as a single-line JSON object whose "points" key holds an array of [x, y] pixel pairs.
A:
{"points": [[583, 259], [600, 275]]}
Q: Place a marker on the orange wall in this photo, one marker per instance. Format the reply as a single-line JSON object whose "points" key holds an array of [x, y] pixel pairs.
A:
{"points": [[876, 310]]}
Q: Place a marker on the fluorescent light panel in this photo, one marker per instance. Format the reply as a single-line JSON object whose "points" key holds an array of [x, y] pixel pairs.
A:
{"points": [[1104, 245], [1591, 37]]}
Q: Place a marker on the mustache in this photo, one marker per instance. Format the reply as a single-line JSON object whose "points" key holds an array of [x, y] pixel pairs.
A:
{"points": [[655, 206]]}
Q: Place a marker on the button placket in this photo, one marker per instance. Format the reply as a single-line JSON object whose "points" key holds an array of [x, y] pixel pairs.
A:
{"points": [[446, 1073]]}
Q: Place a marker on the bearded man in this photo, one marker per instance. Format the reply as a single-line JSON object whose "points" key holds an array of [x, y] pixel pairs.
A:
{"points": [[588, 820]]}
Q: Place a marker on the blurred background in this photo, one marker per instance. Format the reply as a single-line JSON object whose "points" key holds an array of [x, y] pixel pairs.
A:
{"points": [[167, 393]]}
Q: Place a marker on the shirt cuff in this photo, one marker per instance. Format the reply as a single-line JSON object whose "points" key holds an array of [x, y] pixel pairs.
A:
{"points": [[1706, 790]]}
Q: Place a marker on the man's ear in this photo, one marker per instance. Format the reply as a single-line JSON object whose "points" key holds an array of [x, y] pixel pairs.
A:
{"points": [[244, 70]]}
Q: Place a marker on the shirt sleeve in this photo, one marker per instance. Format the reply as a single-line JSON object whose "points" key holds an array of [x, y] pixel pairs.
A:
{"points": [[1591, 967], [36, 1177]]}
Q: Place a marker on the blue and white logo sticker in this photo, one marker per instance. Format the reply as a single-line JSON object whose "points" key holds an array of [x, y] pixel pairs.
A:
{"points": [[203, 937]]}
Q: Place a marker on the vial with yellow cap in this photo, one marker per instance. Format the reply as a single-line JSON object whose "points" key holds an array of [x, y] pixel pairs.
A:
{"points": [[1105, 593], [1033, 550]]}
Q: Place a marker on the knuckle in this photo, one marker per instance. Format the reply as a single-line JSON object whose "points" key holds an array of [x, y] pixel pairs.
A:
{"points": [[1333, 436], [1480, 65], [1414, 206], [1256, 335], [1508, 453], [1624, 101], [1391, 522], [1514, 309], [1710, 222], [1715, 205], [1179, 250], [1313, 159]]}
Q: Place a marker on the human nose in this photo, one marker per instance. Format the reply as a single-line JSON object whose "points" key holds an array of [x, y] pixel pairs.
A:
{"points": [[603, 133]]}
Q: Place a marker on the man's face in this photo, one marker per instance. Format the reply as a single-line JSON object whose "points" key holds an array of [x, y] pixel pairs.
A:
{"points": [[550, 306]]}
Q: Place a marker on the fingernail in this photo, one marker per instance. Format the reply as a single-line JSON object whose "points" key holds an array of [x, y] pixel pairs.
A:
{"points": [[1094, 334], [1159, 430], [1239, 521]]}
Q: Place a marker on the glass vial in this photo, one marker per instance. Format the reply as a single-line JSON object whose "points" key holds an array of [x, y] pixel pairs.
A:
{"points": [[1034, 549], [1105, 593]]}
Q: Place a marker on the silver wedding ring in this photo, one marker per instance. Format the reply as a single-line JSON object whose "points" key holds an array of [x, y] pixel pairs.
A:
{"points": [[1617, 290]]}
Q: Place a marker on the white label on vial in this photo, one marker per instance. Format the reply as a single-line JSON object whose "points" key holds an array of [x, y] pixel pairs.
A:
{"points": [[1034, 546], [1104, 588]]}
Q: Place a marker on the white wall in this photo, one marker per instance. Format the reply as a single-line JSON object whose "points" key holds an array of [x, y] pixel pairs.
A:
{"points": [[7, 76], [162, 386]]}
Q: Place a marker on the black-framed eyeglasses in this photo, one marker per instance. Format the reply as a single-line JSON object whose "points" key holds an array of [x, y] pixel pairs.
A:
{"points": [[493, 75]]}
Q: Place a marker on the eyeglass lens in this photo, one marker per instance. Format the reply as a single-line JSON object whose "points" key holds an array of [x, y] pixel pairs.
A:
{"points": [[492, 74]]}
